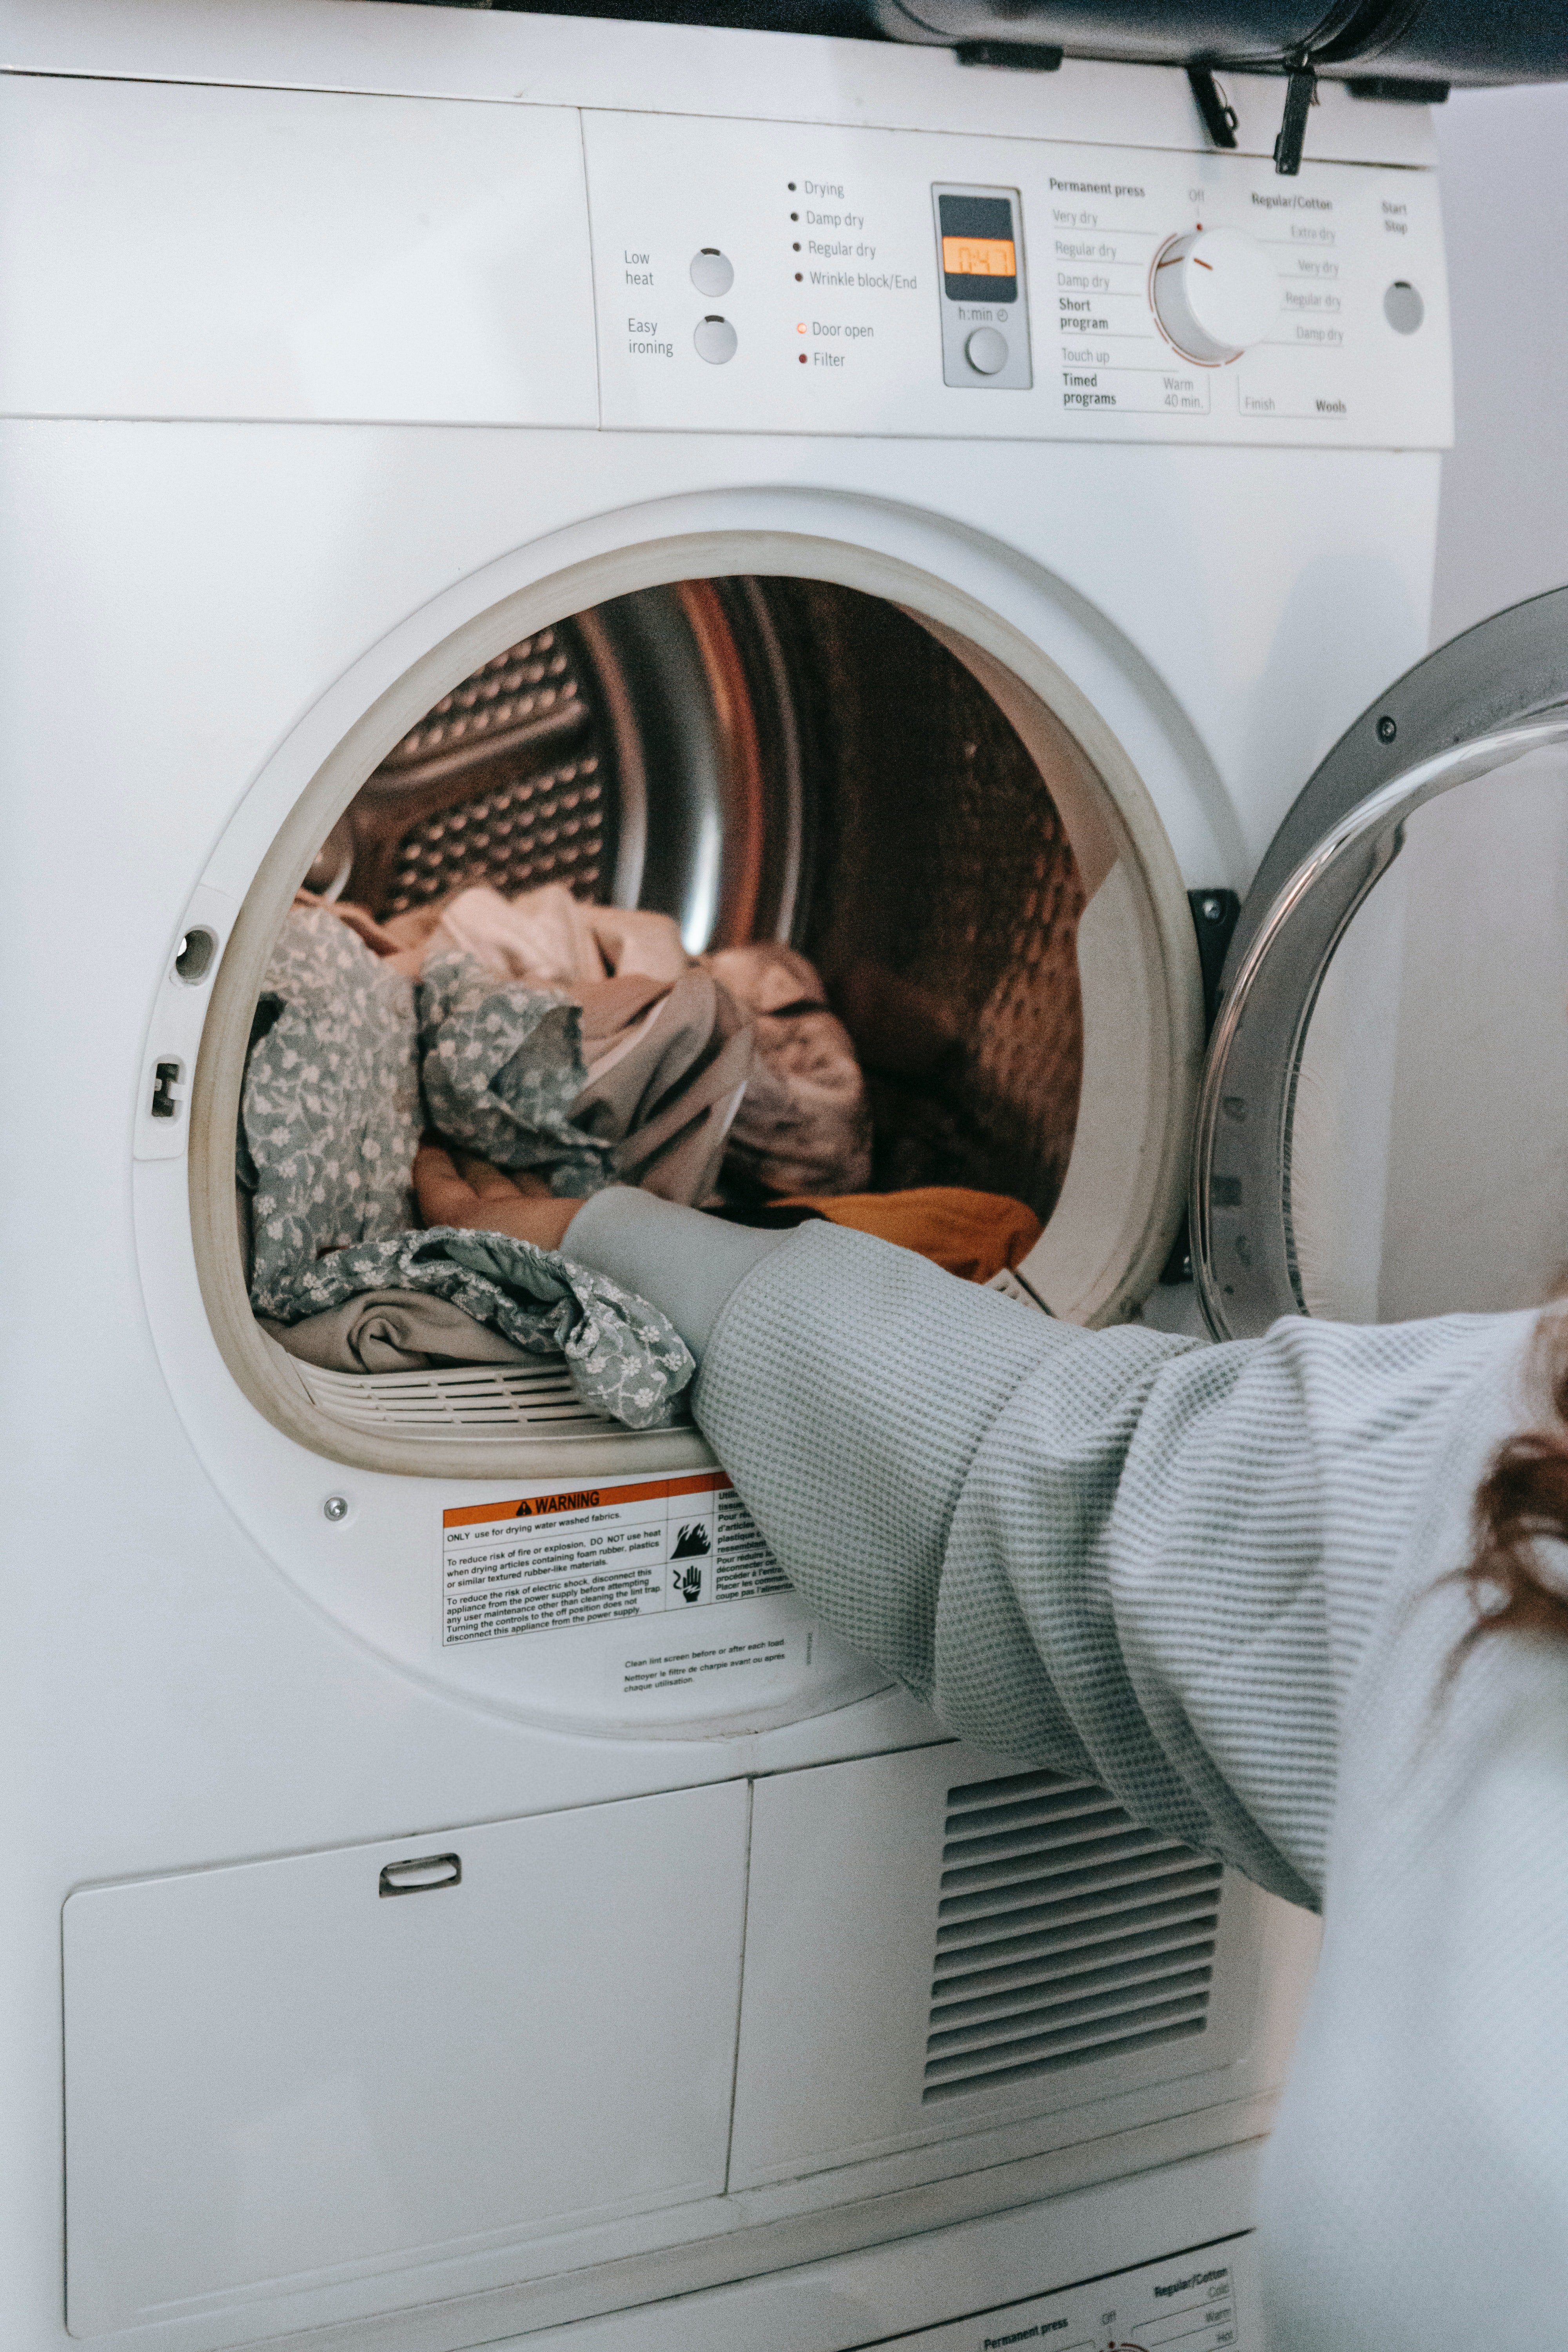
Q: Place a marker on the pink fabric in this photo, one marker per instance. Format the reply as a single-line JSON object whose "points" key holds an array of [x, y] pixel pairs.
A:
{"points": [[547, 936], [804, 1125]]}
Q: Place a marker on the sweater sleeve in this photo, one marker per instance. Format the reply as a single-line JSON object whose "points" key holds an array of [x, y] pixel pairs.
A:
{"points": [[1118, 1553], [685, 1263]]}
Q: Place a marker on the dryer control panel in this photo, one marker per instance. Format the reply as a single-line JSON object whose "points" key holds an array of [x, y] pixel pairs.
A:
{"points": [[1204, 2301], [434, 262], [779, 277]]}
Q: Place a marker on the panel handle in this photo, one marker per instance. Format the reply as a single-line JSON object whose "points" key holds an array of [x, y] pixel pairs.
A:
{"points": [[422, 1874]]}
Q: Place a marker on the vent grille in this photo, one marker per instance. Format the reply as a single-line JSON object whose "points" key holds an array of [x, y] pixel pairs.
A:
{"points": [[501, 1400], [1065, 1934]]}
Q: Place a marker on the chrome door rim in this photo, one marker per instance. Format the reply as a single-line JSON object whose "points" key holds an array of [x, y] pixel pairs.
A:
{"points": [[1243, 1257]]}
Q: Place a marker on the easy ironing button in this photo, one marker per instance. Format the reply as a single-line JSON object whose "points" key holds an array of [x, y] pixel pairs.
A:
{"points": [[715, 340], [987, 352]]}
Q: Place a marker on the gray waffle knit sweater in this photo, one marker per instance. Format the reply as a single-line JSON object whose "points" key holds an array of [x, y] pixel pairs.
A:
{"points": [[1215, 1578]]}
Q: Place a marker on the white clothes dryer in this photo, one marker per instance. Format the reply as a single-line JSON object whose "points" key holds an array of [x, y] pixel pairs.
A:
{"points": [[815, 489]]}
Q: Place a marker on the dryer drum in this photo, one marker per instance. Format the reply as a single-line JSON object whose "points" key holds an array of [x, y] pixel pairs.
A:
{"points": [[772, 758]]}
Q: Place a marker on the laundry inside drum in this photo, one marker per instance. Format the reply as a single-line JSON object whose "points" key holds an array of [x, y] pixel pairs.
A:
{"points": [[783, 809]]}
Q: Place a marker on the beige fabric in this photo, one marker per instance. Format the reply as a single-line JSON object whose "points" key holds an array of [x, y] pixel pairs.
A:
{"points": [[631, 939], [804, 1125], [539, 937], [408, 934], [393, 1331], [616, 1015], [668, 1096]]}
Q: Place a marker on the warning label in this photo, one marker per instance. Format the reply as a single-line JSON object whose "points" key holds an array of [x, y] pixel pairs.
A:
{"points": [[588, 1555]]}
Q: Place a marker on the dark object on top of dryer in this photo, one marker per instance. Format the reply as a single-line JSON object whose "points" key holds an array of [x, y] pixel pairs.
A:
{"points": [[1020, 56], [844, 19], [1389, 41], [1380, 46], [1381, 49], [1425, 43]]}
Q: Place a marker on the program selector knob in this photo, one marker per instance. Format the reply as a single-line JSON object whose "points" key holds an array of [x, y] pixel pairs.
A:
{"points": [[1214, 292]]}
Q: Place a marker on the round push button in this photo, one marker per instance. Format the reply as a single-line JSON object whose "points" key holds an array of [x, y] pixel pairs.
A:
{"points": [[715, 340], [987, 352], [1403, 306], [712, 272]]}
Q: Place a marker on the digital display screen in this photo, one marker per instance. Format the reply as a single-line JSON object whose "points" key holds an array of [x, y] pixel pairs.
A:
{"points": [[979, 256], [979, 249]]}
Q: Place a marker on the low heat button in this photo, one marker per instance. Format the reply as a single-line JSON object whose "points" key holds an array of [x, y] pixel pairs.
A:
{"points": [[987, 352], [715, 340], [712, 272], [1214, 292]]}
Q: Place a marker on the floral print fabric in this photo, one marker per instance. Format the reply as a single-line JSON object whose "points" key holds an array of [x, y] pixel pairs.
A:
{"points": [[331, 1119], [625, 1358], [502, 1065]]}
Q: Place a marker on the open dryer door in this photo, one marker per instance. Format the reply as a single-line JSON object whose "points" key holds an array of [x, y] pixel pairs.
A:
{"points": [[1492, 700]]}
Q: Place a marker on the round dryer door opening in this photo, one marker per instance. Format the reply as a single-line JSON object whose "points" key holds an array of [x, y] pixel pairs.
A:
{"points": [[767, 761], [769, 820]]}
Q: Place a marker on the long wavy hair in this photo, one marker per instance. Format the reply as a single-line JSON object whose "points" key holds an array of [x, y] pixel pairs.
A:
{"points": [[1523, 1503]]}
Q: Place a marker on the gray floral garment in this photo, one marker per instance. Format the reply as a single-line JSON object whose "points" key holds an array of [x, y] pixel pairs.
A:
{"points": [[502, 1064], [330, 1121], [330, 1118], [624, 1357]]}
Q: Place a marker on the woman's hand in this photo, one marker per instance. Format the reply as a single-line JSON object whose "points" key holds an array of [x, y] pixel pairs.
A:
{"points": [[482, 1199]]}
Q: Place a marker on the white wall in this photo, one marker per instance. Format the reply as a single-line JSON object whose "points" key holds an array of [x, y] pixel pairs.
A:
{"points": [[1504, 534], [1477, 1202]]}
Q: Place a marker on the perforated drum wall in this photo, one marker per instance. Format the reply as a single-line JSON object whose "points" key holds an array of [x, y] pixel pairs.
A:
{"points": [[787, 758]]}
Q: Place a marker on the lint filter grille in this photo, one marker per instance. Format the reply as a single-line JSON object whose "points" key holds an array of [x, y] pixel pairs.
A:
{"points": [[503, 1400], [1065, 1934]]}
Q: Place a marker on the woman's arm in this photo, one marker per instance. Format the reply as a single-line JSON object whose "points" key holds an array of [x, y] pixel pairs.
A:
{"points": [[1166, 1564], [651, 1247], [1114, 1552]]}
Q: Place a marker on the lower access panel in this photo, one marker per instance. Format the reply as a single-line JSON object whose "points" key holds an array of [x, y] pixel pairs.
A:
{"points": [[286, 2074], [1203, 2301]]}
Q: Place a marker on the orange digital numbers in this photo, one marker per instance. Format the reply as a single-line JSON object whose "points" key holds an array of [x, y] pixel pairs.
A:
{"points": [[979, 256]]}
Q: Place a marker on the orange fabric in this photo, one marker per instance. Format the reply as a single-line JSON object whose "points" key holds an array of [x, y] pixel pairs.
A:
{"points": [[973, 1234]]}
